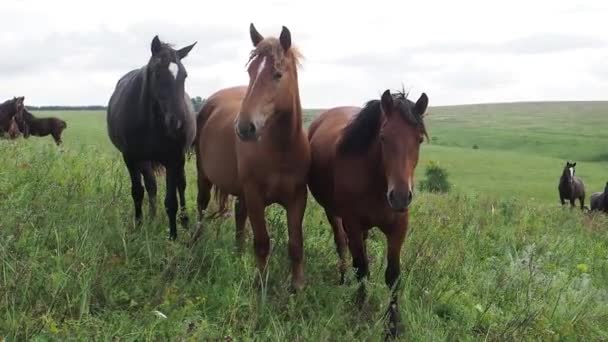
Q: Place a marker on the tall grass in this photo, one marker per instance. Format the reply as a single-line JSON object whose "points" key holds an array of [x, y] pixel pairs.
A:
{"points": [[73, 266]]}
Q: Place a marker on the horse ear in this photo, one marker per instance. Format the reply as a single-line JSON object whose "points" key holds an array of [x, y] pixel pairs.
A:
{"points": [[183, 52], [387, 102], [421, 105], [256, 37], [285, 38], [574, 164], [156, 45]]}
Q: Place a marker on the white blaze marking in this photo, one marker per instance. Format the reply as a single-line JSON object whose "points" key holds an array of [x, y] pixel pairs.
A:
{"points": [[571, 172], [261, 66], [173, 68]]}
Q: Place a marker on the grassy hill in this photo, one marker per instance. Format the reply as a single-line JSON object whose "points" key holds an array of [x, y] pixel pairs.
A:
{"points": [[495, 260]]}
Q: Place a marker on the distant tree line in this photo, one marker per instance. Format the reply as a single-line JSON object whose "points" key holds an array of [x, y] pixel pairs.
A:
{"points": [[197, 103], [66, 107]]}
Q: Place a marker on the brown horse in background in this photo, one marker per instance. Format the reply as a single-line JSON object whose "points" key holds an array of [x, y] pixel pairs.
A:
{"points": [[362, 173], [41, 127], [251, 144], [571, 187], [11, 111]]}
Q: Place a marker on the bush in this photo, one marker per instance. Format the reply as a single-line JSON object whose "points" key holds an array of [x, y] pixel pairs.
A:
{"points": [[475, 147], [436, 179]]}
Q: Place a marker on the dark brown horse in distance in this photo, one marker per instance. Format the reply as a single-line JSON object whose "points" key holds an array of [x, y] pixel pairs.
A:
{"points": [[251, 144], [599, 200], [11, 111], [362, 173], [151, 121], [570, 186], [41, 127]]}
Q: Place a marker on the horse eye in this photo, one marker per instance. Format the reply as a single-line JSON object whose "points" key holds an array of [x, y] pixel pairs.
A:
{"points": [[277, 75]]}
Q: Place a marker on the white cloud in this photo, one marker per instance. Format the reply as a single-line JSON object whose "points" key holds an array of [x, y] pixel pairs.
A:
{"points": [[73, 52]]}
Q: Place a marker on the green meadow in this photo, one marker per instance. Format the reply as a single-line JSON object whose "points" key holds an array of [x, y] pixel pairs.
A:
{"points": [[496, 259]]}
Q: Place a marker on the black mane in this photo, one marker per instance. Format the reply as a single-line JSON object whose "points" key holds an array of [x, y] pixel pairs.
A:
{"points": [[363, 129]]}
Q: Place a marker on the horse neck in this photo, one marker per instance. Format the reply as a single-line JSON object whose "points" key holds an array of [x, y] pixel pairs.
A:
{"points": [[5, 110]]}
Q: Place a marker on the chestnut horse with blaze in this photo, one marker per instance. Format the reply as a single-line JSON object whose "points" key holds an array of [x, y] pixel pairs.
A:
{"points": [[362, 174], [251, 144]]}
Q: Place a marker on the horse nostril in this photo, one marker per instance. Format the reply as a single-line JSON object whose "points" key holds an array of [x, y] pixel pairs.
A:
{"points": [[251, 129], [245, 130], [391, 196]]}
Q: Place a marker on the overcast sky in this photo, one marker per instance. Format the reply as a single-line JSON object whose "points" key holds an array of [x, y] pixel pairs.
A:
{"points": [[466, 51]]}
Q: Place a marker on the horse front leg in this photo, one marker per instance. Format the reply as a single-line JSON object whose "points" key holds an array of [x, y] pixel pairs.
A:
{"points": [[181, 187], [295, 216], [137, 190], [356, 244], [171, 199], [261, 241], [395, 236]]}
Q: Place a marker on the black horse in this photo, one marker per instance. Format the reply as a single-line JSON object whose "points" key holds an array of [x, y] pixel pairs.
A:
{"points": [[571, 187], [599, 200], [41, 127], [151, 121]]}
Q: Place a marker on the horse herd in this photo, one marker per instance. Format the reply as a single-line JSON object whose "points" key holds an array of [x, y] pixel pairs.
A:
{"points": [[250, 143], [15, 120]]}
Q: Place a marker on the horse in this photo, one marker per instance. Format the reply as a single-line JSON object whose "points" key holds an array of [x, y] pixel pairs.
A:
{"points": [[10, 109], [152, 123], [599, 200], [571, 187], [251, 145], [41, 127], [362, 174]]}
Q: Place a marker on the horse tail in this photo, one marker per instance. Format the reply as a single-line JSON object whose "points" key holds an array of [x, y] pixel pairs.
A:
{"points": [[222, 199]]}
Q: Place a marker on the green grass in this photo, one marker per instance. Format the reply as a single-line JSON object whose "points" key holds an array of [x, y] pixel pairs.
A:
{"points": [[495, 260]]}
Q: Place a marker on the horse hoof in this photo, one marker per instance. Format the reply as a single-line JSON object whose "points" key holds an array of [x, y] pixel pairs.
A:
{"points": [[184, 221], [394, 321], [342, 278], [172, 237], [297, 285], [360, 296]]}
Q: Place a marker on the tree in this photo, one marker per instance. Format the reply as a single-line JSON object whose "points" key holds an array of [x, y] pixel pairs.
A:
{"points": [[197, 103]]}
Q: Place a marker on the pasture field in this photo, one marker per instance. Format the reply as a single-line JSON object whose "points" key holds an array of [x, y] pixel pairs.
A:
{"points": [[497, 259]]}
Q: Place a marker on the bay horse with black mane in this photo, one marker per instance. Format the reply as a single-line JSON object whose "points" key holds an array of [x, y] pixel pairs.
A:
{"points": [[11, 111], [362, 174], [571, 187], [152, 123], [251, 144], [41, 127]]}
